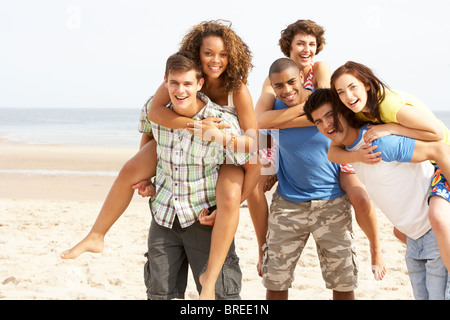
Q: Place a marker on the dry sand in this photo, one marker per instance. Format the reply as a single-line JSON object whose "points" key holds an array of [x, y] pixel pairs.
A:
{"points": [[46, 212]]}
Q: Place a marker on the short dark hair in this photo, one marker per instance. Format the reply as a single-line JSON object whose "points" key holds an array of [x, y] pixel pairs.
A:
{"points": [[323, 96], [282, 64], [317, 99], [183, 61]]}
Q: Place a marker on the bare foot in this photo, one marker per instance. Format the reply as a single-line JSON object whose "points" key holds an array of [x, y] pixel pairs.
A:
{"points": [[378, 266], [208, 289], [91, 243]]}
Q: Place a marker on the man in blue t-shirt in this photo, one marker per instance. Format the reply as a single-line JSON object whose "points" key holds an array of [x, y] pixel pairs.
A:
{"points": [[308, 200], [399, 184]]}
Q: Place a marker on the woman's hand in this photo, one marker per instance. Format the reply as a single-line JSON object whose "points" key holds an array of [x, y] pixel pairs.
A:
{"points": [[367, 155], [377, 131], [207, 129]]}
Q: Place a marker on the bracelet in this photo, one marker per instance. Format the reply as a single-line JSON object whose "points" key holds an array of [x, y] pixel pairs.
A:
{"points": [[228, 146]]}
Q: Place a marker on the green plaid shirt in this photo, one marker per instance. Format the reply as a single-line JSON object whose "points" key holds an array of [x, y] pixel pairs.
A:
{"points": [[188, 167]]}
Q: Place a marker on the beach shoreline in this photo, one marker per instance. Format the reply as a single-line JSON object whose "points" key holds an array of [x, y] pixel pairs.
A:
{"points": [[45, 212]]}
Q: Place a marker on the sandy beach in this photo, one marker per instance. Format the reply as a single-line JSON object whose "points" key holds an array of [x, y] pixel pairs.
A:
{"points": [[47, 211]]}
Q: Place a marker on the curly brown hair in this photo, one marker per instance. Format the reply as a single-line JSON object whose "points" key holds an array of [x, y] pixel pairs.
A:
{"points": [[301, 26], [239, 54]]}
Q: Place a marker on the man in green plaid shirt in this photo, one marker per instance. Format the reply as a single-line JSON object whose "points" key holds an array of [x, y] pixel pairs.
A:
{"points": [[188, 168], [185, 183]]}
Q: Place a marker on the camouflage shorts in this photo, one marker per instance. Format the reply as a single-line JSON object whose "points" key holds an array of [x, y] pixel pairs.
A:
{"points": [[290, 224]]}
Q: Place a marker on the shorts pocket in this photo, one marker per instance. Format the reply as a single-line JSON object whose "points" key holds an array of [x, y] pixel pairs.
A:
{"points": [[232, 275], [146, 271], [229, 281]]}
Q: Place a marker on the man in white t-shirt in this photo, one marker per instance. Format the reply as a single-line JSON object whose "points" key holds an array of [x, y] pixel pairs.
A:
{"points": [[400, 185]]}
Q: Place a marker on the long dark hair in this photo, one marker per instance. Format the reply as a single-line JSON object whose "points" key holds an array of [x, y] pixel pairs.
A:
{"points": [[376, 93]]}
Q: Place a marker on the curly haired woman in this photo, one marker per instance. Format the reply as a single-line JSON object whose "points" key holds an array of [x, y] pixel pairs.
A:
{"points": [[226, 62]]}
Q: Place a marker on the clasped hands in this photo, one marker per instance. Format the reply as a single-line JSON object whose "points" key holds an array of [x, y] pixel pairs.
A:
{"points": [[207, 129]]}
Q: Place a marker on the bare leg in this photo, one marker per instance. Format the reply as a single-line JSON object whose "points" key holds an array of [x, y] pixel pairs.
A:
{"points": [[367, 220], [140, 167], [228, 196], [439, 215], [437, 151], [339, 295], [259, 211], [277, 295]]}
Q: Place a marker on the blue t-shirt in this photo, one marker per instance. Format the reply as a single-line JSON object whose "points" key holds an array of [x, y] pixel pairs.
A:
{"points": [[304, 172], [392, 147]]}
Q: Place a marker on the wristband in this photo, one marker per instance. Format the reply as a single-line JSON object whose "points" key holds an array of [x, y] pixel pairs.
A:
{"points": [[228, 146]]}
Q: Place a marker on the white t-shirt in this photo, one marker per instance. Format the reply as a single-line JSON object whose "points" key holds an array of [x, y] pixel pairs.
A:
{"points": [[397, 186]]}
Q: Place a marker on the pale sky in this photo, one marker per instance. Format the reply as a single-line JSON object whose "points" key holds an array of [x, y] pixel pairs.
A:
{"points": [[111, 53]]}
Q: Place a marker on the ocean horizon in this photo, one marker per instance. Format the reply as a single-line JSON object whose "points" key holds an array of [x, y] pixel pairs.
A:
{"points": [[99, 127], [80, 127]]}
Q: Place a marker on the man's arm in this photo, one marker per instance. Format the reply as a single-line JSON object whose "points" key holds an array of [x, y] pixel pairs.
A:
{"points": [[285, 118]]}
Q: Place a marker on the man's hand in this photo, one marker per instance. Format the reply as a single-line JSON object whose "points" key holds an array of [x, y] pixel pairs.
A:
{"points": [[207, 218], [145, 188]]}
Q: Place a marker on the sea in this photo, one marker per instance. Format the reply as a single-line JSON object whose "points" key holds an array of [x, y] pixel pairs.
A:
{"points": [[83, 126], [66, 126], [80, 127]]}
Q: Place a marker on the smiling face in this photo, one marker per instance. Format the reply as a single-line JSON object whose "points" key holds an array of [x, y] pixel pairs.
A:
{"points": [[213, 56], [352, 93], [287, 86], [303, 49], [324, 120], [183, 87]]}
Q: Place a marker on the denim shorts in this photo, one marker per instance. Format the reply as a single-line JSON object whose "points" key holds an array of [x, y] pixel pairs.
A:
{"points": [[172, 251], [427, 272]]}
